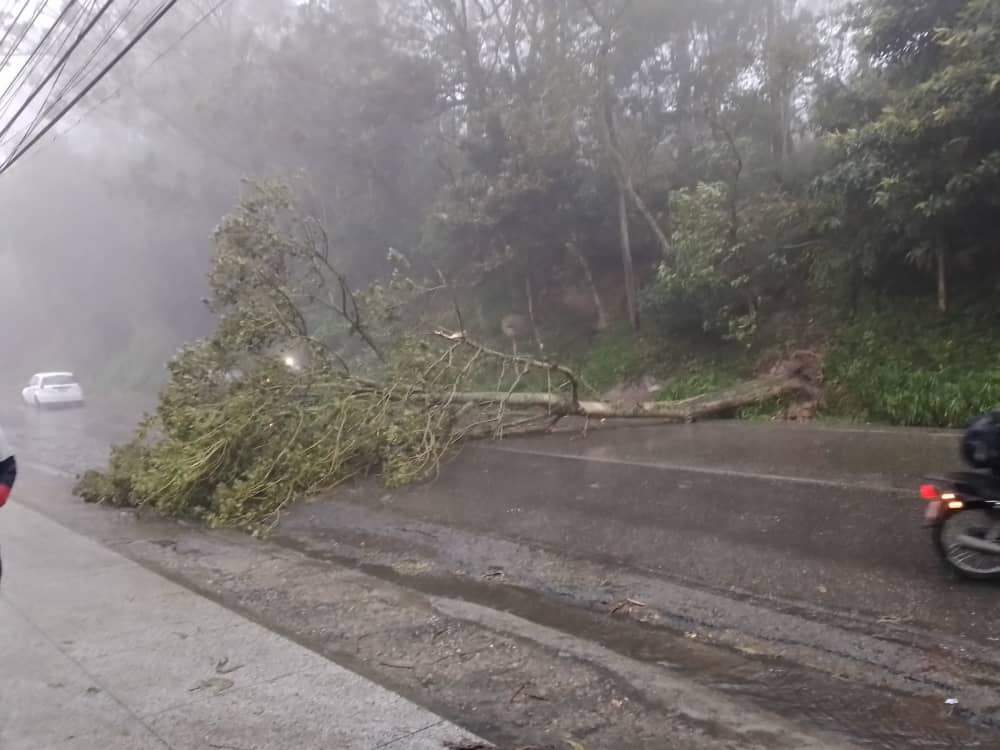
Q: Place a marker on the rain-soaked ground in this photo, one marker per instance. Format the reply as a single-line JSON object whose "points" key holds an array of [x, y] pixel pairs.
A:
{"points": [[724, 585]]}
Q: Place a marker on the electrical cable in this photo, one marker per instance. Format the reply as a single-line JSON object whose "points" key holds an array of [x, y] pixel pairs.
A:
{"points": [[17, 44], [53, 99], [60, 44], [62, 61], [31, 63], [19, 153], [105, 40], [207, 148], [13, 24]]}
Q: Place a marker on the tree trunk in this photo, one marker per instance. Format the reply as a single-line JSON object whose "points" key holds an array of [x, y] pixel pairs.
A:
{"points": [[700, 407], [778, 136], [631, 302], [601, 323], [799, 375], [682, 68], [476, 78], [786, 127], [530, 294], [942, 280], [619, 165], [654, 225]]}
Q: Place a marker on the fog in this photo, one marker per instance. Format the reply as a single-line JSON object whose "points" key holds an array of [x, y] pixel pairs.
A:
{"points": [[105, 226], [514, 143]]}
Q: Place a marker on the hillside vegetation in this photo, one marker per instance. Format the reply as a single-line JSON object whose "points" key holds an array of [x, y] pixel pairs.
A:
{"points": [[690, 191]]}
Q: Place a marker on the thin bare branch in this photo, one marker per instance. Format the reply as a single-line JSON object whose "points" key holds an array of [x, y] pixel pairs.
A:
{"points": [[538, 364]]}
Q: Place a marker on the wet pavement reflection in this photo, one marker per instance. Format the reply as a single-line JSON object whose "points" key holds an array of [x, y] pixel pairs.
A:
{"points": [[805, 540]]}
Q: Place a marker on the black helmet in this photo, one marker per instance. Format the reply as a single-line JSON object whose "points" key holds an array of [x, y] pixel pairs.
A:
{"points": [[981, 442]]}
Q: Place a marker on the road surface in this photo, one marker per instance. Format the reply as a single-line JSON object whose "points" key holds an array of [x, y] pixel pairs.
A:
{"points": [[729, 585]]}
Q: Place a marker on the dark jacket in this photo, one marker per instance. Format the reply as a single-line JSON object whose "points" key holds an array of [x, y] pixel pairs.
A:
{"points": [[8, 471]]}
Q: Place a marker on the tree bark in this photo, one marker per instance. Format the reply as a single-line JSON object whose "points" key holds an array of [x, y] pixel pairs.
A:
{"points": [[601, 323], [800, 375], [480, 103], [609, 134], [942, 280], [530, 294], [686, 410], [682, 68], [628, 266], [779, 135], [654, 225]]}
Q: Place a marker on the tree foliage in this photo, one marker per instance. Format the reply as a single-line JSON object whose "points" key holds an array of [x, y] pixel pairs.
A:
{"points": [[917, 182], [732, 263], [267, 408], [731, 160]]}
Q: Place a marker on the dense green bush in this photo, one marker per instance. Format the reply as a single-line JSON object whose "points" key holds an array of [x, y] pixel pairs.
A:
{"points": [[909, 365], [731, 262]]}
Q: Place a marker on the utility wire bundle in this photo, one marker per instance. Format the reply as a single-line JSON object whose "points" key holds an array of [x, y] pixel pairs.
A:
{"points": [[52, 58]]}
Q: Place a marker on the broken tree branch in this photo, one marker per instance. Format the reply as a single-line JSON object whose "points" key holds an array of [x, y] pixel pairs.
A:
{"points": [[532, 362], [714, 404], [797, 377]]}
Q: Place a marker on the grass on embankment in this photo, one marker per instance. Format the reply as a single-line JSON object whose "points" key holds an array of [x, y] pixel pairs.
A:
{"points": [[898, 365], [914, 366]]}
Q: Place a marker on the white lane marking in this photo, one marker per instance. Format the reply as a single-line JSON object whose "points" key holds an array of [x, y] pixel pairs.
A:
{"points": [[734, 473]]}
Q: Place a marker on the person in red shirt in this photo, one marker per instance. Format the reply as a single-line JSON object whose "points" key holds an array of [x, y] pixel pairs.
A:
{"points": [[8, 473], [8, 469]]}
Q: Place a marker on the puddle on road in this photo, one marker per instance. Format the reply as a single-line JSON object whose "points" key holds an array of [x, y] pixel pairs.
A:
{"points": [[70, 439], [869, 717]]}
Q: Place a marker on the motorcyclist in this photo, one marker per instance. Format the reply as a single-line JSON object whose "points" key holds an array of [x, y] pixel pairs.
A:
{"points": [[8, 473], [8, 469], [981, 443]]}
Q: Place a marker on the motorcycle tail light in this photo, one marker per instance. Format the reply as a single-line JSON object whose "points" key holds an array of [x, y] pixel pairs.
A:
{"points": [[928, 492]]}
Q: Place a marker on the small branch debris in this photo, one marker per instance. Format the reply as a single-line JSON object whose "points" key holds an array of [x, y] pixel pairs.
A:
{"points": [[222, 667], [495, 572], [396, 665], [518, 692], [893, 620], [626, 603], [217, 684]]}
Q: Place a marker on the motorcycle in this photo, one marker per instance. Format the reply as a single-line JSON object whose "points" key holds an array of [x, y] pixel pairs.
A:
{"points": [[963, 513]]}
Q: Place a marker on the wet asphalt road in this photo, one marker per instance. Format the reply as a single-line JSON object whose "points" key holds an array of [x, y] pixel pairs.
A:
{"points": [[801, 514], [802, 541], [826, 516], [69, 440]]}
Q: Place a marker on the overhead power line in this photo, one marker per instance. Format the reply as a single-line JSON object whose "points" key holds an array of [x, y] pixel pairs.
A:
{"points": [[44, 49], [55, 94], [13, 24], [195, 140], [58, 94], [59, 64], [19, 153], [39, 8], [84, 69]]}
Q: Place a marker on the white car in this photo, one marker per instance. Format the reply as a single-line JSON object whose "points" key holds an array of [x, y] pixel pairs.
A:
{"points": [[53, 389]]}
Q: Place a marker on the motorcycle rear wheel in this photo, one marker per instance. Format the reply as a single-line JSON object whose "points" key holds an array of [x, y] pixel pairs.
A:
{"points": [[972, 564]]}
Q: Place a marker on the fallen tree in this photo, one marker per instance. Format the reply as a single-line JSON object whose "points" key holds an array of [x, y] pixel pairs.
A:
{"points": [[272, 406], [797, 377]]}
